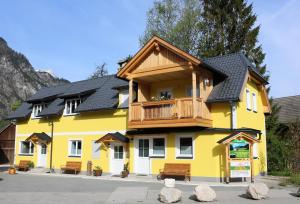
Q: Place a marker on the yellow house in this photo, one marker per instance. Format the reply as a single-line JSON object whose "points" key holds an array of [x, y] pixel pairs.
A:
{"points": [[163, 106]]}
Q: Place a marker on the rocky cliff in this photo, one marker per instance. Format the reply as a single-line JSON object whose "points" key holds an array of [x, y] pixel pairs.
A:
{"points": [[18, 79]]}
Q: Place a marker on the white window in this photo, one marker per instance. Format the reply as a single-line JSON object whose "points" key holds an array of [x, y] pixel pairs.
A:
{"points": [[124, 99], [143, 147], [184, 147], [26, 147], [71, 105], [255, 150], [95, 150], [248, 99], [36, 109], [158, 148], [165, 94], [254, 101], [118, 152], [75, 147]]}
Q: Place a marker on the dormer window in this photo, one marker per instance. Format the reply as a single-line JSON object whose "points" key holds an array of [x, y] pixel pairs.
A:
{"points": [[36, 109], [124, 99], [71, 105]]}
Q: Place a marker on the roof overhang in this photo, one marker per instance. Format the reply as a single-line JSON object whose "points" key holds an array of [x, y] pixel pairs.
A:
{"points": [[238, 136], [39, 138], [113, 137]]}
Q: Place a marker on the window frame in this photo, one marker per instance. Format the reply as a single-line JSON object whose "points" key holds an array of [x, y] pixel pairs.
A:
{"points": [[178, 155], [118, 152], [165, 90], [248, 100], [76, 105], [30, 145], [124, 101], [38, 106], [189, 89], [152, 154], [70, 148], [254, 102]]}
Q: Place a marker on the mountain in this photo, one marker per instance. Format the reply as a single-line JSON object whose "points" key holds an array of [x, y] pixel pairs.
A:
{"points": [[18, 79]]}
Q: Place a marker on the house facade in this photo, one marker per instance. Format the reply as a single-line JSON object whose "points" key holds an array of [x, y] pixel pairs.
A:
{"points": [[163, 106]]}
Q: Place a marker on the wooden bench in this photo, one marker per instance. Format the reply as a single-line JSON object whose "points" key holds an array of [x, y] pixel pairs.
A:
{"points": [[23, 165], [176, 169], [71, 166]]}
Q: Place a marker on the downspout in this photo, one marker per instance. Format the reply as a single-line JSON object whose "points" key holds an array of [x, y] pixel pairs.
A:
{"points": [[232, 122], [51, 151]]}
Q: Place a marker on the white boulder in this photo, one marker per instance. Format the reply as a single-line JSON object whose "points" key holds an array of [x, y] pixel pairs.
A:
{"points": [[257, 191], [170, 195], [204, 193], [170, 183]]}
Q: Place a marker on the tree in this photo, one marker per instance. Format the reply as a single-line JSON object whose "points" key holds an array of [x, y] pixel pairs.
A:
{"points": [[16, 105], [207, 28], [100, 71]]}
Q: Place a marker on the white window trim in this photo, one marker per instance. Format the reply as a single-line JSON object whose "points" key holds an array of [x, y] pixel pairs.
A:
{"points": [[254, 102], [65, 109], [69, 148], [248, 100], [27, 154], [151, 154], [42, 106], [122, 97], [177, 144]]}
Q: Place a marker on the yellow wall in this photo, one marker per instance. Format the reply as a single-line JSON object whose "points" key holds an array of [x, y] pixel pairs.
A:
{"points": [[209, 155]]}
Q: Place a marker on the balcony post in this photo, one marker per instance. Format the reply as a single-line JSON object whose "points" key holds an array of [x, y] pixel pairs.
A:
{"points": [[130, 99], [194, 81]]}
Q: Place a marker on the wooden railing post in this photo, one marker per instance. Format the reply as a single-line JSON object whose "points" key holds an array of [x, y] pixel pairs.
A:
{"points": [[194, 81], [130, 100]]}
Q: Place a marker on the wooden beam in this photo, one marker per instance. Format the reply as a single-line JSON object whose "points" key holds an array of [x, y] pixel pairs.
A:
{"points": [[130, 98], [194, 89], [227, 159], [251, 162]]}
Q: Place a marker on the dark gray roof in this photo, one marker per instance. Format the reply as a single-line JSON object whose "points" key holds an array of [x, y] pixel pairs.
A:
{"points": [[48, 93], [102, 95], [289, 108], [56, 107], [84, 87], [235, 66], [23, 111], [105, 97]]}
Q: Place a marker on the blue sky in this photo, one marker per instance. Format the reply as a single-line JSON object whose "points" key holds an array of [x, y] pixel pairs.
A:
{"points": [[72, 37]]}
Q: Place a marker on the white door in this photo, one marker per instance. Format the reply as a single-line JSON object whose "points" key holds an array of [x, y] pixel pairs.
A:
{"points": [[42, 155], [141, 156], [117, 157]]}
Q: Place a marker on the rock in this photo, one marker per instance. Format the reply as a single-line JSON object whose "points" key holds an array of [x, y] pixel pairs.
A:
{"points": [[204, 193], [298, 193], [170, 195], [257, 191], [169, 183]]}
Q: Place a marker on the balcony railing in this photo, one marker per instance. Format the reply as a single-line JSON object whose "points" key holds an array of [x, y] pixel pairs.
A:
{"points": [[175, 109]]}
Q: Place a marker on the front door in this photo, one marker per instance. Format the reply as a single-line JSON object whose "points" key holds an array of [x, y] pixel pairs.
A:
{"points": [[142, 161], [42, 155], [117, 157]]}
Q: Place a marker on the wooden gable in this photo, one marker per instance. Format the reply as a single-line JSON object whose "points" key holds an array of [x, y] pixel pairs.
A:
{"points": [[158, 55]]}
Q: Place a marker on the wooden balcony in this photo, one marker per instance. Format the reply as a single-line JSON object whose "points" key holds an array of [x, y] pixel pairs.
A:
{"points": [[169, 113]]}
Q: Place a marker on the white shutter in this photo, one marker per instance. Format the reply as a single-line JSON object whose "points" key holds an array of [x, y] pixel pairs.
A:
{"points": [[248, 99], [254, 102]]}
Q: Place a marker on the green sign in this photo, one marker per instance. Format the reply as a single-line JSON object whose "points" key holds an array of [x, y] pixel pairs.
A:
{"points": [[239, 149]]}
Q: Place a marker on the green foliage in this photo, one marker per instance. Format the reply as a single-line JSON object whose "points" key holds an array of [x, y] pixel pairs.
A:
{"points": [[3, 123], [16, 105], [207, 27], [31, 164], [295, 179], [98, 168]]}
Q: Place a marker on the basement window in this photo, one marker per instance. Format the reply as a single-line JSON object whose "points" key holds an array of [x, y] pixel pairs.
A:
{"points": [[26, 148], [71, 105]]}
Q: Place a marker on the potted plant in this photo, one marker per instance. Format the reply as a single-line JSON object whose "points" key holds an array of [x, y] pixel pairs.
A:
{"points": [[97, 171], [30, 165], [125, 171], [12, 170]]}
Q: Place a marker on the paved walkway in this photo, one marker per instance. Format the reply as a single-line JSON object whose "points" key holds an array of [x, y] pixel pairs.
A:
{"points": [[30, 188]]}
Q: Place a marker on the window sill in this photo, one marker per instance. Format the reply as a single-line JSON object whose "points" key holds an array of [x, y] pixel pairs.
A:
{"points": [[72, 114], [35, 118], [157, 156], [76, 156], [184, 157], [24, 154], [248, 109], [254, 111]]}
